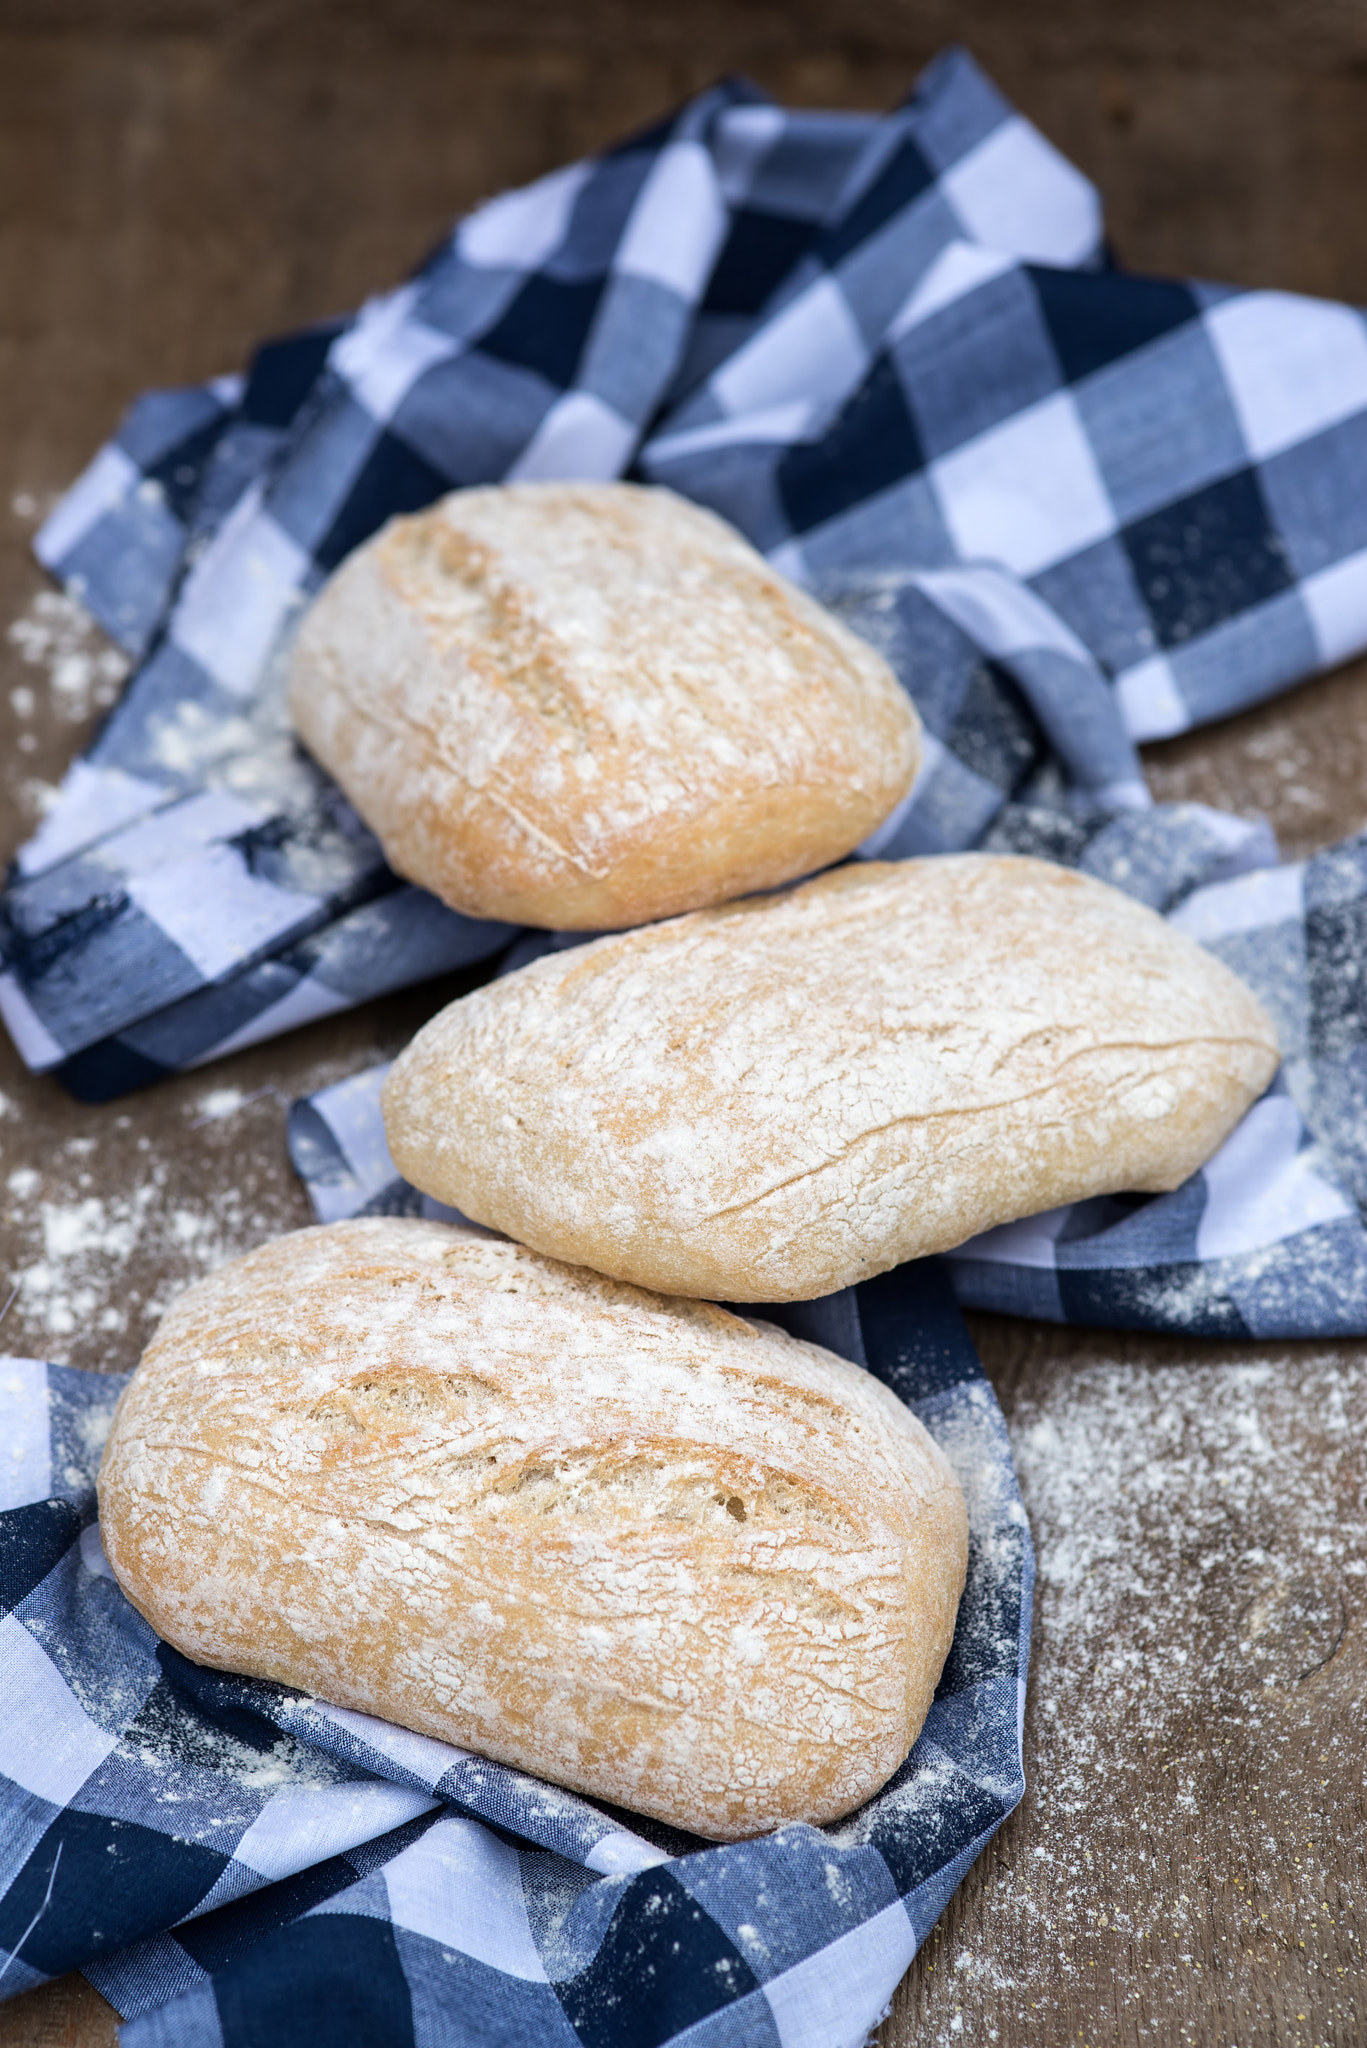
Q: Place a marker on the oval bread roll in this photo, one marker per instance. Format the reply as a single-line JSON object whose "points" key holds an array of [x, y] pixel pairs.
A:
{"points": [[669, 1558], [770, 1101], [589, 705]]}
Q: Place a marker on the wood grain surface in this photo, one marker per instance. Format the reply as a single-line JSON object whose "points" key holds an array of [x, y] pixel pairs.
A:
{"points": [[180, 177]]}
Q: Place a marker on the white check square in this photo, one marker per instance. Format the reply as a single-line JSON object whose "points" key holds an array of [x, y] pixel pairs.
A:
{"points": [[25, 1471], [831, 1999], [461, 1886], [677, 224], [1262, 1188], [951, 277], [93, 801], [110, 478], [304, 1824], [247, 911], [1015, 192], [1001, 615], [1336, 599], [579, 438], [1294, 366], [521, 230], [1025, 494], [812, 352], [47, 1744], [386, 352], [1150, 702], [36, 1046], [745, 136], [1254, 902], [239, 594]]}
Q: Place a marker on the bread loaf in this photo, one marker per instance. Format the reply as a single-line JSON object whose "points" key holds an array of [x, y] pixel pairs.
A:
{"points": [[769, 1101], [667, 1557], [589, 705]]}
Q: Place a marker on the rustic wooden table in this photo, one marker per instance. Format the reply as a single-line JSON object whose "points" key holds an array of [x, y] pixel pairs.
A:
{"points": [[179, 177]]}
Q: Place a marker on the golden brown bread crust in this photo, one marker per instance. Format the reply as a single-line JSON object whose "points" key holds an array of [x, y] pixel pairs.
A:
{"points": [[639, 1546], [589, 705], [770, 1101]]}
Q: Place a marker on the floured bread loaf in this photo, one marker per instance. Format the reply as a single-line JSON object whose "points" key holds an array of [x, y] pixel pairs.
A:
{"points": [[589, 705], [767, 1102], [636, 1545]]}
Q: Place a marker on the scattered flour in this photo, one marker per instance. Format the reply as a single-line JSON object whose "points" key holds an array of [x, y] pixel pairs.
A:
{"points": [[218, 1103], [38, 797], [84, 672], [1193, 1560], [1197, 1716], [107, 1231], [84, 1242]]}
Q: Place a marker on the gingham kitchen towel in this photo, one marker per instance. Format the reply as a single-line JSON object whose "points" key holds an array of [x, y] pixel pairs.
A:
{"points": [[232, 1862]]}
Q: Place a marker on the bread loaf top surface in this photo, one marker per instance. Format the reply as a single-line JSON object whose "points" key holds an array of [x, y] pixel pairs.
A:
{"points": [[635, 1544], [566, 1352], [591, 705], [774, 1099]]}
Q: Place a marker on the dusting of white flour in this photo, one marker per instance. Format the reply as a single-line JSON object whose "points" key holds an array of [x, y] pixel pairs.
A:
{"points": [[105, 1221], [1196, 1725], [81, 672]]}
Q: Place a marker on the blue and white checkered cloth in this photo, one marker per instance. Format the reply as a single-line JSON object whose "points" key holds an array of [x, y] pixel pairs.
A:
{"points": [[234, 1863]]}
